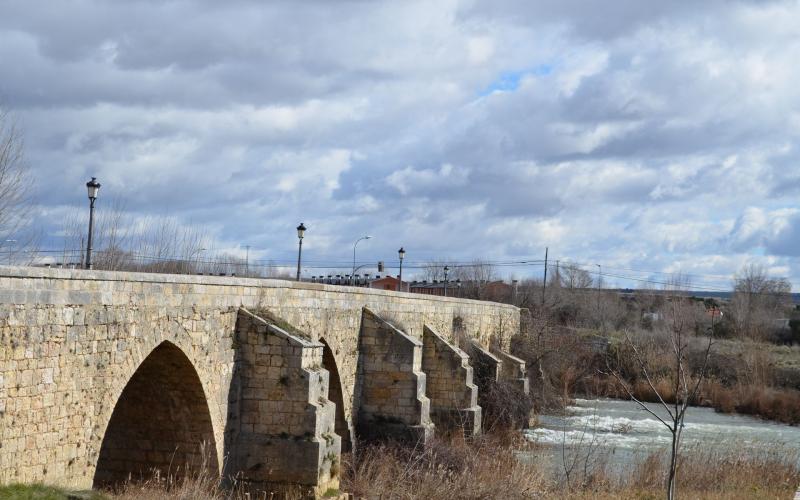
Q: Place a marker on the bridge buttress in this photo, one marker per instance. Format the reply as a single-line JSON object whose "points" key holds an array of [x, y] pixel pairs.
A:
{"points": [[487, 366], [280, 424], [392, 401], [513, 370], [453, 395]]}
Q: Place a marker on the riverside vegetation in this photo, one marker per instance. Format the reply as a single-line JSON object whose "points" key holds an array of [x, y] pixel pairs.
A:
{"points": [[578, 338]]}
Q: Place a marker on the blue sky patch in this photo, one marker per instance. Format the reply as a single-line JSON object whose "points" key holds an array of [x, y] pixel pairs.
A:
{"points": [[509, 80]]}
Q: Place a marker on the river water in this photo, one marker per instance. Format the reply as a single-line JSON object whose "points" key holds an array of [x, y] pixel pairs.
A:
{"points": [[622, 433]]}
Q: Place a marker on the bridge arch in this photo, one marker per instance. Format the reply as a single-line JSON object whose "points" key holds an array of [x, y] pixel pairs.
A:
{"points": [[336, 394], [160, 422]]}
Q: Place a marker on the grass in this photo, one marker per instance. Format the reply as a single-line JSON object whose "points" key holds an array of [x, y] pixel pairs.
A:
{"points": [[42, 492]]}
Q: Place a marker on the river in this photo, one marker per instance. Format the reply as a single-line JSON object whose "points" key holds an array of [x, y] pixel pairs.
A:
{"points": [[622, 433]]}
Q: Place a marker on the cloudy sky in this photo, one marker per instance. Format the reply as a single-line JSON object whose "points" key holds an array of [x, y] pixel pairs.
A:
{"points": [[655, 136]]}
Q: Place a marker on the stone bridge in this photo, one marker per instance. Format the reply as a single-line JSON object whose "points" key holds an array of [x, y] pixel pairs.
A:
{"points": [[110, 375]]}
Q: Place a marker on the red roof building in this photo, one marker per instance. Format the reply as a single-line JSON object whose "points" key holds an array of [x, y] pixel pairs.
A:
{"points": [[388, 283]]}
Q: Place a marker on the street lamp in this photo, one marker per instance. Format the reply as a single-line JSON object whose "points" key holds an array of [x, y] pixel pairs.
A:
{"points": [[10, 252], [194, 258], [92, 187], [354, 256], [401, 253], [446, 269], [301, 231]]}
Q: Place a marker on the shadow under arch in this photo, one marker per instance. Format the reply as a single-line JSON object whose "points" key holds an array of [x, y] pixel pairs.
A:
{"points": [[160, 424], [336, 395]]}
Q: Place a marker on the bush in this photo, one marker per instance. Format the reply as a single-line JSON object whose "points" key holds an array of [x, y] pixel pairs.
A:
{"points": [[505, 406], [484, 468]]}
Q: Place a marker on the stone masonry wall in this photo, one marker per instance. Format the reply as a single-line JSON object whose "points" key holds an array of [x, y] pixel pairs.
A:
{"points": [[280, 422], [453, 395], [70, 341], [392, 403]]}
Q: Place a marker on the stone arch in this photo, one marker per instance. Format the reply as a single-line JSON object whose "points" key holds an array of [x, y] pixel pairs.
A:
{"points": [[336, 394], [160, 422]]}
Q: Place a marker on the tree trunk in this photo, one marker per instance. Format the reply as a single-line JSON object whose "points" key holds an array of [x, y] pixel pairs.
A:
{"points": [[673, 464]]}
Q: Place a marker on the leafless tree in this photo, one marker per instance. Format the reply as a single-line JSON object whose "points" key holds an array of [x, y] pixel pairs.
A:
{"points": [[574, 277], [14, 200], [434, 270], [757, 301], [474, 277], [124, 242], [683, 384]]}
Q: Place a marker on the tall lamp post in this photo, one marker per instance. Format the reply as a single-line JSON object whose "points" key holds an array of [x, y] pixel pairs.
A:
{"points": [[10, 252], [354, 256], [446, 269], [401, 253], [92, 187], [301, 231]]}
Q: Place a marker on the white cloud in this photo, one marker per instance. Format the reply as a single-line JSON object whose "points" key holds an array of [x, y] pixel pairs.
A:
{"points": [[658, 136]]}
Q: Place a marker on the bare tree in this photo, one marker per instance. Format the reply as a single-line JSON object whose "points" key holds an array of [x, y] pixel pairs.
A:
{"points": [[757, 301], [683, 385], [434, 270], [124, 242], [14, 200], [474, 277], [574, 277]]}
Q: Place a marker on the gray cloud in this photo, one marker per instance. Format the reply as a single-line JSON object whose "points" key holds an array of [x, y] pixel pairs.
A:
{"points": [[659, 136]]}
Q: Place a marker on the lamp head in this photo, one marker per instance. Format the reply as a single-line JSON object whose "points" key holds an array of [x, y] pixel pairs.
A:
{"points": [[93, 187]]}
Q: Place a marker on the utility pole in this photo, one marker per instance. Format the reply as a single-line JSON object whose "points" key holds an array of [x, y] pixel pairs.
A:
{"points": [[247, 261], [599, 278], [544, 282], [558, 275]]}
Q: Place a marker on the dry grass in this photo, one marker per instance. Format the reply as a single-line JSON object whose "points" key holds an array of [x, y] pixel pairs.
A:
{"points": [[198, 485], [483, 468], [489, 468]]}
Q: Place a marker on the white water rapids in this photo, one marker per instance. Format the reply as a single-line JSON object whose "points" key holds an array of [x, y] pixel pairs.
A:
{"points": [[623, 432]]}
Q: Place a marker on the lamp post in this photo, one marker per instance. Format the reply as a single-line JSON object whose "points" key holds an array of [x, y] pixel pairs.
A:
{"points": [[10, 252], [401, 253], [301, 231], [194, 258], [92, 187], [354, 256], [446, 269]]}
